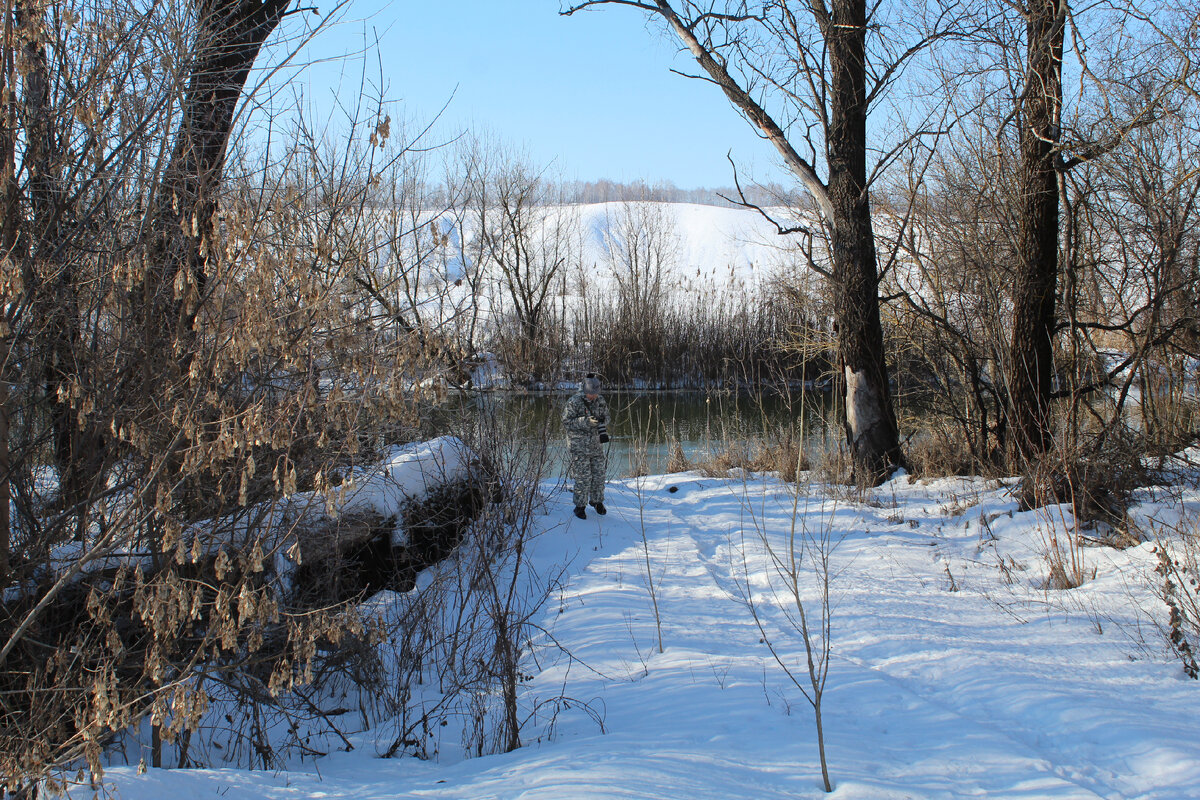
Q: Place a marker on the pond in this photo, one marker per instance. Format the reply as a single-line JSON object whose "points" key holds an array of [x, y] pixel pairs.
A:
{"points": [[646, 426]]}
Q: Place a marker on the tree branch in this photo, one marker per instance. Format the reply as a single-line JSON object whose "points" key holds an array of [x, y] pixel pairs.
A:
{"points": [[580, 6], [744, 203], [753, 111], [734, 91]]}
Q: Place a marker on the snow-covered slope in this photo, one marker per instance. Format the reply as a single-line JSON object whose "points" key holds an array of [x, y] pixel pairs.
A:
{"points": [[709, 251], [728, 249], [955, 672]]}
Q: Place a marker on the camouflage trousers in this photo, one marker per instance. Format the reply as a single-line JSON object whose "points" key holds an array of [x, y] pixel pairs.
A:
{"points": [[586, 468]]}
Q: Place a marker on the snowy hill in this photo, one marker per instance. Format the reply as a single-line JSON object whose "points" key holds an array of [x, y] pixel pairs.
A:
{"points": [[716, 248], [955, 671], [707, 250]]}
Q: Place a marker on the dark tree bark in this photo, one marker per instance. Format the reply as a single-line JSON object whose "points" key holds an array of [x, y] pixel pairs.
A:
{"points": [[230, 34], [5, 486], [8, 241], [44, 227], [1029, 379], [871, 429], [184, 236]]}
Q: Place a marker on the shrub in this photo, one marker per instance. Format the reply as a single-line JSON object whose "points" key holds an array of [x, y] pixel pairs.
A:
{"points": [[1179, 572]]}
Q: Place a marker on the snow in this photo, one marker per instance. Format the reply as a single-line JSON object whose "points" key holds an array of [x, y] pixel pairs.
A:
{"points": [[954, 672], [486, 372], [407, 472], [715, 253], [718, 250]]}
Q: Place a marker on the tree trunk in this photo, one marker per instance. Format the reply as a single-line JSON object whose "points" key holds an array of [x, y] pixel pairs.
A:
{"points": [[870, 421], [46, 243], [9, 225], [184, 234], [1031, 354], [5, 487], [230, 34]]}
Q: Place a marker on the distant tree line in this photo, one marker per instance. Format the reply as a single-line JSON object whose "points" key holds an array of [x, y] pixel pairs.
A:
{"points": [[606, 191]]}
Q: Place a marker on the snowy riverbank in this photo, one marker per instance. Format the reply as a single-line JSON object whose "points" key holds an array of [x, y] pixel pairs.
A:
{"points": [[955, 672]]}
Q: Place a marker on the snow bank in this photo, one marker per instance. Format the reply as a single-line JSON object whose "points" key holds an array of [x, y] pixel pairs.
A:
{"points": [[309, 525], [406, 473], [299, 523], [486, 372]]}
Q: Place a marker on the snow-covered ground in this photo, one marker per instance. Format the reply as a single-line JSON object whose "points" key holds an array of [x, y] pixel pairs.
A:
{"points": [[955, 672]]}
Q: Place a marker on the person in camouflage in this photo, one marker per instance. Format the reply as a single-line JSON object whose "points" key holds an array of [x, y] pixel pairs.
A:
{"points": [[585, 417]]}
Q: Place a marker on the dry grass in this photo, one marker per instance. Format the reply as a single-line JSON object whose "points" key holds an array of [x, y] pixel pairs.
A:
{"points": [[940, 451], [782, 456], [834, 466], [677, 460], [1178, 570], [1094, 479], [1084, 488]]}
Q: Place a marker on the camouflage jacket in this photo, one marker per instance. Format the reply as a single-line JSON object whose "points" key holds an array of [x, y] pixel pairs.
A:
{"points": [[576, 412]]}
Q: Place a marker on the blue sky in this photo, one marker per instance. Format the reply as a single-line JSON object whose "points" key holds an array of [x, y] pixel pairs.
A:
{"points": [[591, 95]]}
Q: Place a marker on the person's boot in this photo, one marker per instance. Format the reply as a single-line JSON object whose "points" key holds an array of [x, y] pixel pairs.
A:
{"points": [[579, 512], [600, 509]]}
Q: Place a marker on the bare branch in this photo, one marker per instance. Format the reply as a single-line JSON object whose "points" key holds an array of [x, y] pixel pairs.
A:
{"points": [[580, 6], [744, 203]]}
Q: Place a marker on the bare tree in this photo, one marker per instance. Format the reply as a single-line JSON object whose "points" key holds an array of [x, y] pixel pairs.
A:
{"points": [[1130, 286], [464, 170], [529, 242], [1006, 274], [825, 65], [226, 38], [953, 289], [1040, 112], [1117, 95], [162, 328], [794, 567], [640, 245]]}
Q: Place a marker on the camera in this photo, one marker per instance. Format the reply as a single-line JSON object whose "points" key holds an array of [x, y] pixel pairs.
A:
{"points": [[603, 431]]}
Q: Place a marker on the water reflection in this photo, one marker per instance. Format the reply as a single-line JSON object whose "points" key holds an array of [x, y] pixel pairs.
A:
{"points": [[646, 426]]}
